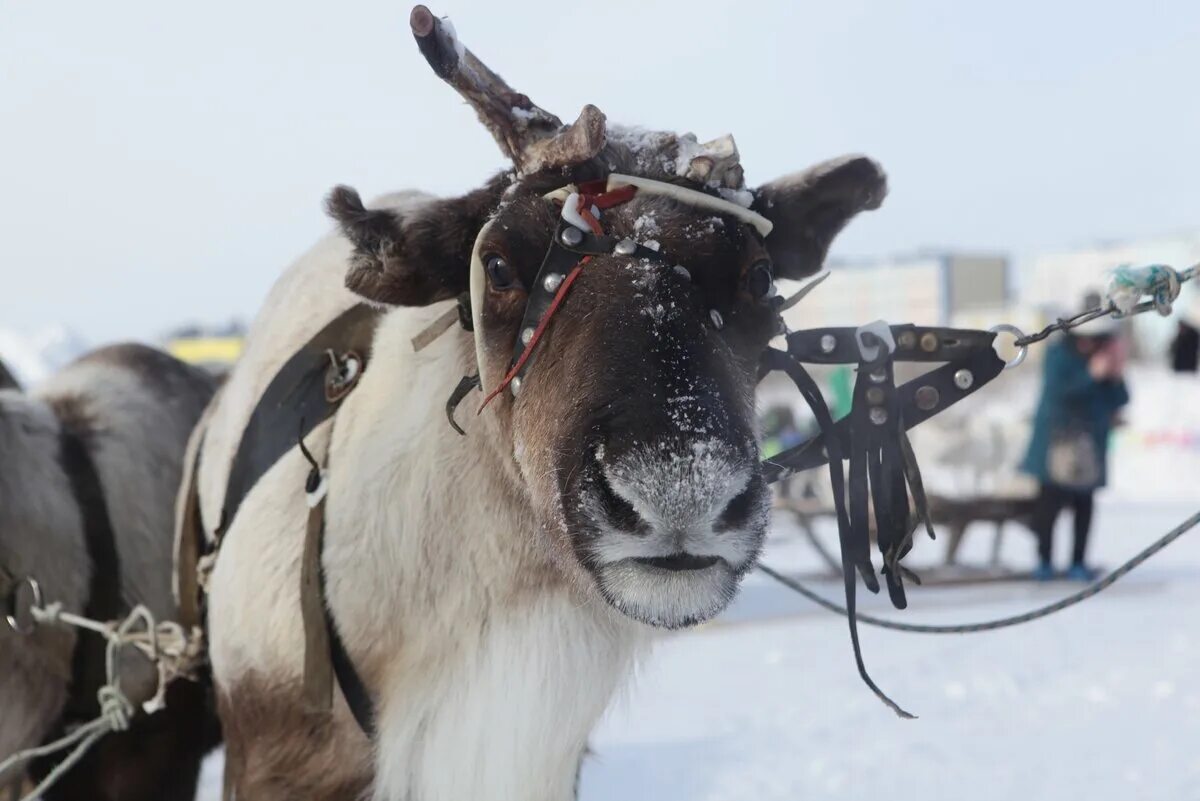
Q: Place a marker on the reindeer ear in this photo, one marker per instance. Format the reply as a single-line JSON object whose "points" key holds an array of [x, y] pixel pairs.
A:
{"points": [[411, 258], [809, 208]]}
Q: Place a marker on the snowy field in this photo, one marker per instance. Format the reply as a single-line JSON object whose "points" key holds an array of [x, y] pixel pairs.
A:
{"points": [[1099, 702]]}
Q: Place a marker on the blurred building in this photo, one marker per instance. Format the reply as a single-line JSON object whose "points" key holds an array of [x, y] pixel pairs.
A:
{"points": [[928, 288], [214, 349]]}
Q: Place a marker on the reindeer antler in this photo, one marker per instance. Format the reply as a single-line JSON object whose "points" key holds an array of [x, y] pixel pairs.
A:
{"points": [[532, 137]]}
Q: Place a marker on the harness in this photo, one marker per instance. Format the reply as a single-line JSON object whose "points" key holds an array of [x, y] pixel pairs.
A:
{"points": [[306, 391], [104, 588], [311, 385]]}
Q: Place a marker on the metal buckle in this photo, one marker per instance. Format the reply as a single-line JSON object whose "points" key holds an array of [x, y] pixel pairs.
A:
{"points": [[11, 612], [342, 375]]}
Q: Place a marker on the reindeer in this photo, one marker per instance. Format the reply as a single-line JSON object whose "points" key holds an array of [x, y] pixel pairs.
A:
{"points": [[92, 461], [493, 590]]}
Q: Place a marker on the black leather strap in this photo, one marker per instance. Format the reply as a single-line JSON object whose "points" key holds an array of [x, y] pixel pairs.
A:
{"points": [[465, 386], [295, 400], [307, 390], [355, 692], [104, 600], [779, 360], [561, 258], [873, 442], [358, 698], [914, 343], [104, 591], [984, 365]]}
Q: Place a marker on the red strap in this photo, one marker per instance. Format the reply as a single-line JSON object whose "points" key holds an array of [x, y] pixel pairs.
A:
{"points": [[614, 198], [603, 200]]}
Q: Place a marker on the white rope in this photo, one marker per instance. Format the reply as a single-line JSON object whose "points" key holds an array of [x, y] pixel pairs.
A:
{"points": [[164, 644], [1162, 283]]}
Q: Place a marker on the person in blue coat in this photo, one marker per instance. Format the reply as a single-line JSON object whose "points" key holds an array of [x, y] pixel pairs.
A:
{"points": [[1082, 391]]}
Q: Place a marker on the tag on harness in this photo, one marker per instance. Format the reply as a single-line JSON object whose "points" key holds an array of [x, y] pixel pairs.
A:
{"points": [[882, 333], [570, 213]]}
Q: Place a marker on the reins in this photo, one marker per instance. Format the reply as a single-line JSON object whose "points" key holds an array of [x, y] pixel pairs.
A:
{"points": [[999, 623], [880, 416]]}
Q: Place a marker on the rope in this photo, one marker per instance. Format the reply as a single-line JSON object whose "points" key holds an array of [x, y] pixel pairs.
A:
{"points": [[1127, 286], [165, 644], [1000, 623]]}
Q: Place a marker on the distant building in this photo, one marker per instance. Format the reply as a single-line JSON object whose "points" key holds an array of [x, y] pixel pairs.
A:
{"points": [[215, 349], [216, 354], [930, 288]]}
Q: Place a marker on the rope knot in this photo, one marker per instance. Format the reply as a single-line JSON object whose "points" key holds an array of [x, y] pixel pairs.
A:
{"points": [[51, 613], [1128, 284], [115, 708]]}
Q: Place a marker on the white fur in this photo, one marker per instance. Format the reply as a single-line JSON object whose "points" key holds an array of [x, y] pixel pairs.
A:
{"points": [[488, 668], [681, 498]]}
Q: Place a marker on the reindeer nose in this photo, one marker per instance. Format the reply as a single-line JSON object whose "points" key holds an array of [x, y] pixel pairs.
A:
{"points": [[679, 492]]}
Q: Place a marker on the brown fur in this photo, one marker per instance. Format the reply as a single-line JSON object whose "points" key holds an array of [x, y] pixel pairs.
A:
{"points": [[811, 207], [417, 261], [74, 414], [276, 749]]}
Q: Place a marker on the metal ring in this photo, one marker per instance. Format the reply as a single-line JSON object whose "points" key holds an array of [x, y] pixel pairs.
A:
{"points": [[11, 616], [1018, 334]]}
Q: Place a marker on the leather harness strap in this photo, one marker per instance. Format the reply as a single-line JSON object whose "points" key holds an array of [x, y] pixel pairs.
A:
{"points": [[104, 601], [570, 250], [104, 590], [296, 393], [325, 654], [306, 391], [190, 548], [873, 439]]}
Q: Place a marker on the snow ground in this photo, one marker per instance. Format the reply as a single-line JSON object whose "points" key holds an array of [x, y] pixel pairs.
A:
{"points": [[1098, 702]]}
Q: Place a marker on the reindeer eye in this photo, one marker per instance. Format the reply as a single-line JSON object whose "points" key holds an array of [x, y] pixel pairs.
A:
{"points": [[759, 281], [500, 272]]}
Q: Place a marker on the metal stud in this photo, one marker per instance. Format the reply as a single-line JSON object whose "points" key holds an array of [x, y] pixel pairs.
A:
{"points": [[964, 379], [929, 342], [907, 340], [717, 320], [626, 247], [879, 415], [527, 336], [552, 281], [571, 236], [878, 376], [927, 398], [682, 272], [875, 395], [828, 343], [515, 385]]}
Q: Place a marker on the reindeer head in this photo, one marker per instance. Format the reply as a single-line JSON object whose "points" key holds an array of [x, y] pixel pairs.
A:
{"points": [[633, 430]]}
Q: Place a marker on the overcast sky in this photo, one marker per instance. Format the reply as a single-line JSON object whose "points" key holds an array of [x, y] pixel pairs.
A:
{"points": [[163, 162]]}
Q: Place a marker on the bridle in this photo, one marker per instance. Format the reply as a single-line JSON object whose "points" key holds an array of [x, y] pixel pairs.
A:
{"points": [[872, 439], [578, 238]]}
